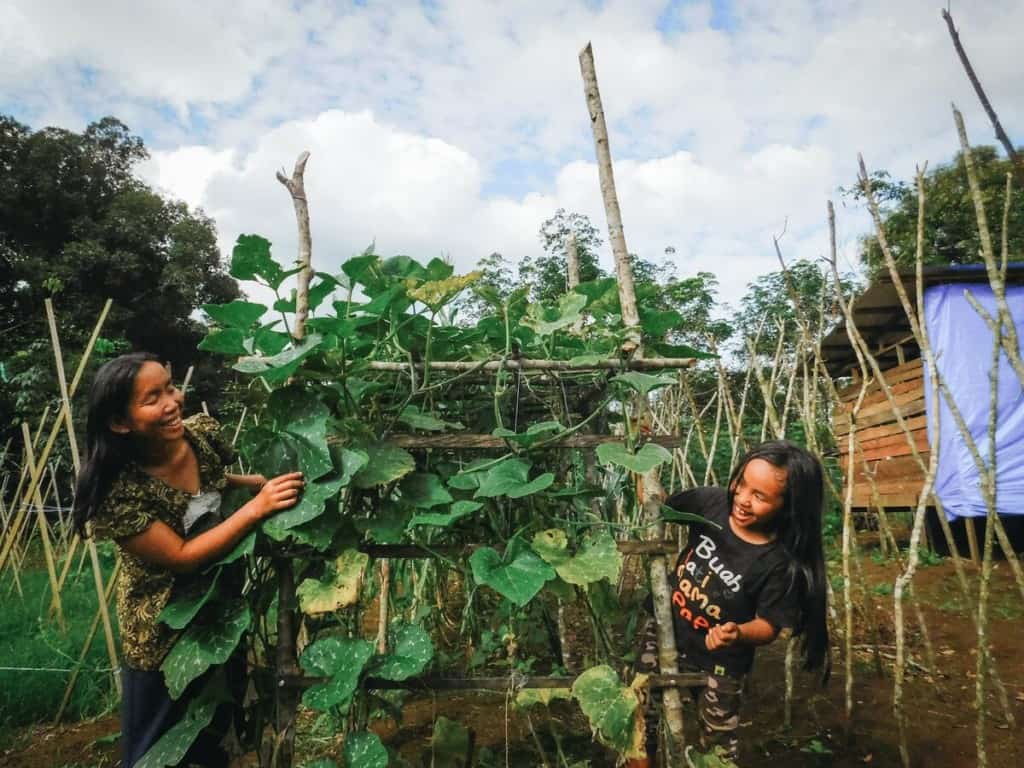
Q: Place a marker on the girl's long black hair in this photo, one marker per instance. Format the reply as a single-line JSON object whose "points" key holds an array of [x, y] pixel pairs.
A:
{"points": [[106, 452], [798, 530]]}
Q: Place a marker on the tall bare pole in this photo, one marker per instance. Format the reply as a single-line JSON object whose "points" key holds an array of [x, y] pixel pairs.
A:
{"points": [[296, 186], [651, 491]]}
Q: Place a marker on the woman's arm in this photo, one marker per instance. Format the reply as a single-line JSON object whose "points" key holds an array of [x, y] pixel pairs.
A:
{"points": [[160, 545], [758, 631], [245, 481]]}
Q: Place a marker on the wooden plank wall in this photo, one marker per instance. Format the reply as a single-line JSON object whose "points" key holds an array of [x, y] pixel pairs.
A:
{"points": [[879, 440]]}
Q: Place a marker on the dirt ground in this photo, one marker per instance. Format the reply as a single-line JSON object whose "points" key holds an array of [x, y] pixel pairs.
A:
{"points": [[941, 718]]}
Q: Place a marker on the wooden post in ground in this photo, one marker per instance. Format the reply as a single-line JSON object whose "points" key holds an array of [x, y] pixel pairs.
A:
{"points": [[652, 493], [55, 604]]}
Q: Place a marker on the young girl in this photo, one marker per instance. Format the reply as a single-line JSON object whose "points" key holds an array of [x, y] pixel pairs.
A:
{"points": [[756, 571], [150, 479]]}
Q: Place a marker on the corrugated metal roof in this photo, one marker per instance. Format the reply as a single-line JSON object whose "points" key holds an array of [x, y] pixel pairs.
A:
{"points": [[882, 322]]}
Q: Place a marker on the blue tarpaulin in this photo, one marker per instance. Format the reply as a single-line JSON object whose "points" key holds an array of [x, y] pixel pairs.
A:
{"points": [[963, 344]]}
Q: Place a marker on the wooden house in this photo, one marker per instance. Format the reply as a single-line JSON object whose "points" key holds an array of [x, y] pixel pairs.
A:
{"points": [[885, 470]]}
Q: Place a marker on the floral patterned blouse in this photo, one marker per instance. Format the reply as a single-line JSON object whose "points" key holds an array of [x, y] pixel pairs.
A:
{"points": [[137, 500]]}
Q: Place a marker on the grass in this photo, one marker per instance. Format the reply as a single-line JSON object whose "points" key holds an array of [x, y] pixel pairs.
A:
{"points": [[31, 644]]}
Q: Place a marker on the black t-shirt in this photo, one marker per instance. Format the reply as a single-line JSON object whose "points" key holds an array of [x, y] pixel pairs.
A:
{"points": [[719, 578]]}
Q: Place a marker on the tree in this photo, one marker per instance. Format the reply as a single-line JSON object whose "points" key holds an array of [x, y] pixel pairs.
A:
{"points": [[78, 227], [950, 226], [495, 280], [547, 275]]}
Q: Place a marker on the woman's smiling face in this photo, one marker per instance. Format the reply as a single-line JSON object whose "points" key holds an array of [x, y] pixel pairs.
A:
{"points": [[757, 496], [154, 412]]}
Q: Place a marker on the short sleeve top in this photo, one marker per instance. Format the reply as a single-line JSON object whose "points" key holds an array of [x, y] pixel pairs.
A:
{"points": [[137, 500], [719, 577]]}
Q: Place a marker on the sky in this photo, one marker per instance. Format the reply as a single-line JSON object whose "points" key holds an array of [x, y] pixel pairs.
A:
{"points": [[455, 129]]}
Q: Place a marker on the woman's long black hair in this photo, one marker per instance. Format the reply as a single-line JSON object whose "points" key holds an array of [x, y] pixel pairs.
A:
{"points": [[798, 530], [106, 452]]}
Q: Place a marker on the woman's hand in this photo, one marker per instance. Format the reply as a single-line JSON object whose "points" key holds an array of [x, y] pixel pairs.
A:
{"points": [[722, 635], [278, 493]]}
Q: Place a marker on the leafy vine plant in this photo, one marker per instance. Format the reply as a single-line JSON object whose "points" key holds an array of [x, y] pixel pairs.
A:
{"points": [[512, 529]]}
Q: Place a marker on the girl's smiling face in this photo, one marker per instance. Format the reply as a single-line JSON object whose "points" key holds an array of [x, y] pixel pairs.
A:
{"points": [[757, 497], [154, 411]]}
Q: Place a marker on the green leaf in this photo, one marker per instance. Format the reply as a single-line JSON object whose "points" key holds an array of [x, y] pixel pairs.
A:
{"points": [[660, 322], [388, 523], [670, 515], [469, 477], [449, 744], [509, 478], [318, 533], [338, 588], [271, 342], [251, 259], [342, 660], [310, 506], [230, 341], [647, 458], [178, 613], [244, 548], [598, 557], [644, 382], [534, 434], [527, 697], [386, 464], [411, 651], [547, 320], [364, 750], [519, 580], [237, 313], [202, 646], [300, 418], [283, 364], [459, 510], [358, 267], [171, 747], [424, 490], [610, 707], [415, 419], [348, 461]]}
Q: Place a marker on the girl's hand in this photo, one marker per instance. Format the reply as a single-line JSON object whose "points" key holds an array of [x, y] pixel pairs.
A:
{"points": [[278, 493], [722, 636]]}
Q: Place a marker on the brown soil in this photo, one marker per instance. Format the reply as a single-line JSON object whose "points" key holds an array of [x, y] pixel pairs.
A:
{"points": [[941, 718]]}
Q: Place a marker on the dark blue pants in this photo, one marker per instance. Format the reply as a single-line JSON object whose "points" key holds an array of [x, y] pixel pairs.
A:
{"points": [[148, 711]]}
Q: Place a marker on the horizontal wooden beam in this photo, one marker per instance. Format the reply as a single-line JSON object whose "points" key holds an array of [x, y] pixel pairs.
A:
{"points": [[413, 551], [614, 364], [472, 440], [503, 684]]}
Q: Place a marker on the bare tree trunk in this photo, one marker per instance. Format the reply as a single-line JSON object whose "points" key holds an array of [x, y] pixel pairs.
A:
{"points": [[296, 186]]}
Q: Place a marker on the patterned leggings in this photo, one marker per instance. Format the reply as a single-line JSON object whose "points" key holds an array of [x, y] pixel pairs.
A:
{"points": [[718, 703]]}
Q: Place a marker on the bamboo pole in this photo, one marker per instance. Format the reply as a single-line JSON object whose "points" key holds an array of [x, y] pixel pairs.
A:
{"points": [[653, 493], [55, 604], [296, 186], [467, 366], [97, 572]]}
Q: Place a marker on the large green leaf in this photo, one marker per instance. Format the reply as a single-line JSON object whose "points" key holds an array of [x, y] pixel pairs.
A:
{"points": [[338, 588], [410, 652], [310, 506], [527, 697], [364, 750], [647, 458], [386, 464], [170, 748], [598, 557], [251, 259], [611, 708], [178, 613], [449, 744], [424, 490], [519, 579], [318, 533], [202, 646], [229, 341], [509, 478], [340, 659], [237, 313], [659, 322], [547, 320], [282, 365], [413, 417], [533, 435], [644, 382], [459, 510], [300, 418]]}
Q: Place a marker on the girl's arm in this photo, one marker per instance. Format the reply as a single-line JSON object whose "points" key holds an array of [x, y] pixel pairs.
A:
{"points": [[256, 482], [755, 632], [159, 545]]}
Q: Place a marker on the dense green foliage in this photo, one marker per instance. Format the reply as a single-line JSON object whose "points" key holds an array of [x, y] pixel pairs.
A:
{"points": [[77, 226]]}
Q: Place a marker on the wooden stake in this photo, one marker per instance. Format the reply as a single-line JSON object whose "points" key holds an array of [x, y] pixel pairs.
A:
{"points": [[55, 604]]}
